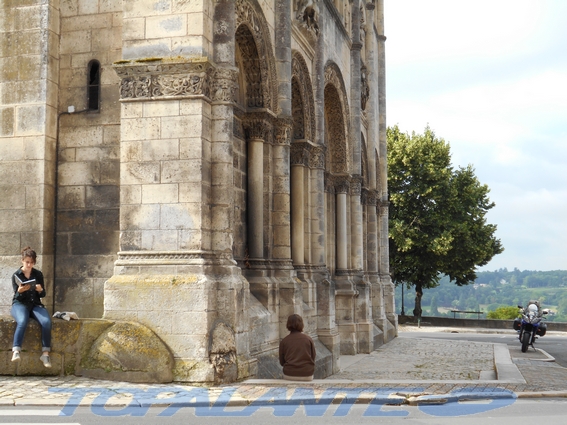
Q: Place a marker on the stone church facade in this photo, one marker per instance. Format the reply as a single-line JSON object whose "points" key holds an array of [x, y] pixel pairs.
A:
{"points": [[204, 168]]}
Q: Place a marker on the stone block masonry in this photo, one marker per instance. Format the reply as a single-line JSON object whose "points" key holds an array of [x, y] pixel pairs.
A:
{"points": [[202, 169]]}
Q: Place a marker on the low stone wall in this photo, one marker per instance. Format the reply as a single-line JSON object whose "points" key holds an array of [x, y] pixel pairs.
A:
{"points": [[473, 323], [97, 348]]}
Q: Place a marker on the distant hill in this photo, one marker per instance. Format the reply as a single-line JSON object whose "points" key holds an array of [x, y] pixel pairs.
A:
{"points": [[492, 290]]}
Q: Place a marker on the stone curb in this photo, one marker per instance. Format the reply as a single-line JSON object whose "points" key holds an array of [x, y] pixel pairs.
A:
{"points": [[549, 357], [392, 399], [542, 394]]}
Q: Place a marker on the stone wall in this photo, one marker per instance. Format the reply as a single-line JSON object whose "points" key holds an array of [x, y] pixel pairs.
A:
{"points": [[88, 193], [92, 348], [223, 163], [29, 64]]}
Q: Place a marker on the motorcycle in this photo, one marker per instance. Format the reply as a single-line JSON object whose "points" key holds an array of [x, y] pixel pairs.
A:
{"points": [[531, 325]]}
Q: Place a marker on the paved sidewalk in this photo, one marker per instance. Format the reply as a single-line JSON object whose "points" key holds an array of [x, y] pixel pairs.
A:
{"points": [[406, 369]]}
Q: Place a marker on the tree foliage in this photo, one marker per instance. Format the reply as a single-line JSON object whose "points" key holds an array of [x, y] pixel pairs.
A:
{"points": [[503, 313], [494, 289], [437, 214]]}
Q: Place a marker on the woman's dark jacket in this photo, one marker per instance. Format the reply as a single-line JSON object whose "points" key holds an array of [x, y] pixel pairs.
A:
{"points": [[31, 297]]}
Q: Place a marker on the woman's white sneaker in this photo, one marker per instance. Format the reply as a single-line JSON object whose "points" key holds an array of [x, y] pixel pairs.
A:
{"points": [[46, 360]]}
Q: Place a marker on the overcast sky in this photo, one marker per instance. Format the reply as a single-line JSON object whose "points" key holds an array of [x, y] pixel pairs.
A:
{"points": [[490, 77]]}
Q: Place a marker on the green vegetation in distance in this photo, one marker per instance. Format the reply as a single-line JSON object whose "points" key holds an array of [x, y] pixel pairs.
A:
{"points": [[437, 223], [503, 313], [494, 289]]}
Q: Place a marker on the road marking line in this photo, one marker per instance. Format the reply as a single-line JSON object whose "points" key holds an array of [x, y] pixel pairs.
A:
{"points": [[8, 412]]}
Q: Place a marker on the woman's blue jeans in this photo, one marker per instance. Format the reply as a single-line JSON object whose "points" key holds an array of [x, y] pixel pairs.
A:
{"points": [[22, 315]]}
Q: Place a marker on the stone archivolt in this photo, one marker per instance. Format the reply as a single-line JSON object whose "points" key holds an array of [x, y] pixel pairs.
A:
{"points": [[300, 73], [336, 109], [254, 21]]}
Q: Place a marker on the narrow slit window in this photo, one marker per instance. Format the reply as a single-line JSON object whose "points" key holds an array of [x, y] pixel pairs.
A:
{"points": [[93, 89]]}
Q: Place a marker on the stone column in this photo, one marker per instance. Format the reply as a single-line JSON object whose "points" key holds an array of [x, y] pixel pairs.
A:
{"points": [[289, 288], [387, 285], [317, 173], [281, 191], [356, 224], [384, 250], [298, 162], [374, 229], [342, 235], [256, 197], [355, 138]]}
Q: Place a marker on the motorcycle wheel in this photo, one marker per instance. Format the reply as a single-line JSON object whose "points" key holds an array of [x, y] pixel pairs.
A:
{"points": [[525, 341]]}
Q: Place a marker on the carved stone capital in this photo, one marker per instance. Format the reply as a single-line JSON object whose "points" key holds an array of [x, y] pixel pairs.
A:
{"points": [[224, 85], [371, 198], [284, 129], [355, 184], [342, 184], [317, 157], [299, 153], [257, 126]]}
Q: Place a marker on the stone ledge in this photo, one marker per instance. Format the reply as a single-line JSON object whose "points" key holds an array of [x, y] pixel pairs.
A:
{"points": [[96, 348]]}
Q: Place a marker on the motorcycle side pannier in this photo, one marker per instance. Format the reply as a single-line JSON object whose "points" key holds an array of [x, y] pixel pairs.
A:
{"points": [[517, 324], [541, 329]]}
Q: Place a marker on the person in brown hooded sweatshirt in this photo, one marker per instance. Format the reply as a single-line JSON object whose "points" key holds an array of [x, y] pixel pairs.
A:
{"points": [[297, 352]]}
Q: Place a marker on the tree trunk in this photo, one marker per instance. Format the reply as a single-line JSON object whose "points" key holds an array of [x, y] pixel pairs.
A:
{"points": [[418, 295]]}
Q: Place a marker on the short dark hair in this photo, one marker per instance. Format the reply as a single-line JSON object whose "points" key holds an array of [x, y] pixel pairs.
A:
{"points": [[295, 323], [28, 252]]}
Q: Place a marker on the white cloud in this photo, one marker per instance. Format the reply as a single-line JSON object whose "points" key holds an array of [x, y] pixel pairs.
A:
{"points": [[490, 77]]}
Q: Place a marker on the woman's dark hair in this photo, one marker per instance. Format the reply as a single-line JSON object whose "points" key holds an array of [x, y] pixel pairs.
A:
{"points": [[28, 252], [295, 323]]}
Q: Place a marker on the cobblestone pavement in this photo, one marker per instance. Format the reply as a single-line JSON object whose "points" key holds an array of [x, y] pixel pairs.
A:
{"points": [[404, 366], [423, 359]]}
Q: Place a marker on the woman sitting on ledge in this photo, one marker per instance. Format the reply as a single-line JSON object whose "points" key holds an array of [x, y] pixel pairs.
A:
{"points": [[297, 352], [28, 286]]}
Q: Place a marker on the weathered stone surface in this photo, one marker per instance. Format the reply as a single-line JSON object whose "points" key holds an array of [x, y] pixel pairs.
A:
{"points": [[172, 180], [128, 351]]}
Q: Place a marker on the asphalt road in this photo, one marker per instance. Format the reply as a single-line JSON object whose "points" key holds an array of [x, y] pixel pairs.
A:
{"points": [[507, 412], [555, 344]]}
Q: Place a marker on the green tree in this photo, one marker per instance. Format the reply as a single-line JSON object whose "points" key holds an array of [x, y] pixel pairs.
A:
{"points": [[503, 313], [437, 215]]}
